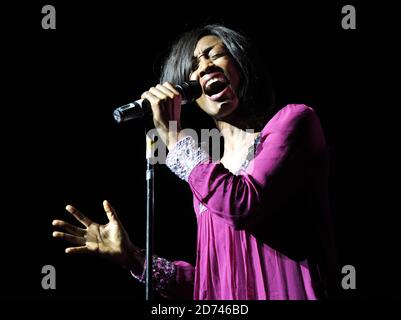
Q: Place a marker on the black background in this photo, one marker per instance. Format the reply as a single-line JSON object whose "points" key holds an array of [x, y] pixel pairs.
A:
{"points": [[60, 144]]}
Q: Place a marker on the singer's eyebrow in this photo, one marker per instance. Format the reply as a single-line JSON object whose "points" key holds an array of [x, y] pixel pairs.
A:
{"points": [[205, 51]]}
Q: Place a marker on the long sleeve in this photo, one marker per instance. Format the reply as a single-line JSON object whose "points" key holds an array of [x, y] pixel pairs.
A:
{"points": [[172, 279], [288, 143]]}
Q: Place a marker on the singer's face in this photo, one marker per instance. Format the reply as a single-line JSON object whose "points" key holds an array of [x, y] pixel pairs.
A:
{"points": [[219, 76]]}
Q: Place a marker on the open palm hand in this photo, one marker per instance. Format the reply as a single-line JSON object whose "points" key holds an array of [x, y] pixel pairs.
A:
{"points": [[108, 240]]}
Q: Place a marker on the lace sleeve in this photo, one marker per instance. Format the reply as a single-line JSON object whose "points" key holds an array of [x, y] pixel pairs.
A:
{"points": [[164, 273], [185, 156]]}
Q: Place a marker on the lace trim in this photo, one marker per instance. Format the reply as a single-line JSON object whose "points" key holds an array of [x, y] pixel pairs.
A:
{"points": [[164, 272], [184, 157]]}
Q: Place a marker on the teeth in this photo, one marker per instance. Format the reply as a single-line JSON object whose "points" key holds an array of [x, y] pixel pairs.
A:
{"points": [[213, 80]]}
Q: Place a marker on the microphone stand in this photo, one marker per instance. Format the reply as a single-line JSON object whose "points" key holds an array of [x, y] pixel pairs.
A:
{"points": [[190, 91], [149, 217]]}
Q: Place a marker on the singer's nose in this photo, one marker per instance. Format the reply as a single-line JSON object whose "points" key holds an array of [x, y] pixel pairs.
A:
{"points": [[205, 64]]}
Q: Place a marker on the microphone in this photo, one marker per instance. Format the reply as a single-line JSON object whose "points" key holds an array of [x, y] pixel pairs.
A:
{"points": [[189, 90]]}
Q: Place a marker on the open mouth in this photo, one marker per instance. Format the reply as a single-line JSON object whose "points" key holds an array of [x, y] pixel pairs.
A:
{"points": [[216, 85]]}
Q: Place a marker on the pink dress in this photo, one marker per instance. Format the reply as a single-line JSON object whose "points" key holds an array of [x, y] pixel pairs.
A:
{"points": [[261, 232]]}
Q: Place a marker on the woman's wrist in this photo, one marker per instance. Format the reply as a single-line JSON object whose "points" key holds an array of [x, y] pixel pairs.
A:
{"points": [[133, 259]]}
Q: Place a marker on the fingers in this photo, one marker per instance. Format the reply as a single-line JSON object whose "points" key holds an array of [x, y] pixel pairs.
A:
{"points": [[111, 213], [169, 86], [154, 101], [70, 238], [160, 94], [164, 91], [79, 216], [156, 98], [69, 228], [168, 90], [82, 249]]}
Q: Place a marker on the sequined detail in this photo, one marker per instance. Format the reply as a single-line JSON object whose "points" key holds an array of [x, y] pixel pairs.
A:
{"points": [[164, 272], [184, 157]]}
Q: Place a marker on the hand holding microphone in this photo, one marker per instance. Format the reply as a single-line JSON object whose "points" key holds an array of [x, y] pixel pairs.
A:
{"points": [[189, 90], [164, 102]]}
